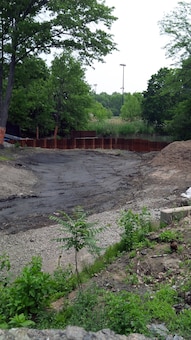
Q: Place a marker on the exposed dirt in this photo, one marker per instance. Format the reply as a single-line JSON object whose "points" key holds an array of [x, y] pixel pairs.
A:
{"points": [[156, 264], [35, 183], [38, 182]]}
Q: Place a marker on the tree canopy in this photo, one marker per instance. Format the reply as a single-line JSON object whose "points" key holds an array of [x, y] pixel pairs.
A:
{"points": [[48, 98], [159, 97], [180, 123], [32, 102], [71, 94], [111, 102], [177, 26], [30, 27], [132, 106]]}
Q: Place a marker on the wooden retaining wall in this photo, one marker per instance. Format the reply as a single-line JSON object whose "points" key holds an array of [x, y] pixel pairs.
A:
{"points": [[138, 145]]}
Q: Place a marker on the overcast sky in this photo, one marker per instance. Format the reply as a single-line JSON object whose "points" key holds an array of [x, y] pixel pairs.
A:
{"points": [[140, 46]]}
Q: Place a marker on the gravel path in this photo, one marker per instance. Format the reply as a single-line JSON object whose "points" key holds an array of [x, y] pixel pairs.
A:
{"points": [[22, 246]]}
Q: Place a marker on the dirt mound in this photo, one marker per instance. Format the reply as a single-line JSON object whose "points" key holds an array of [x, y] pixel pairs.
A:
{"points": [[176, 155], [15, 180]]}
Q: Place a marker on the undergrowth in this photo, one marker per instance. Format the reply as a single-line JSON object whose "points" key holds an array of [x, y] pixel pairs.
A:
{"points": [[107, 128], [26, 301]]}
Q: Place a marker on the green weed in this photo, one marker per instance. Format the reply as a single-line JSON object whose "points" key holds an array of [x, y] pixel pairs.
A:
{"points": [[169, 235], [136, 227]]}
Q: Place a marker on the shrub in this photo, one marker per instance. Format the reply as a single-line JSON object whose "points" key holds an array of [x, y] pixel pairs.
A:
{"points": [[88, 310], [160, 306], [125, 313], [30, 292], [80, 234], [136, 227], [169, 235]]}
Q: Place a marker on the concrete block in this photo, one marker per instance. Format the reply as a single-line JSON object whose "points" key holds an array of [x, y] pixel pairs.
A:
{"points": [[171, 214]]}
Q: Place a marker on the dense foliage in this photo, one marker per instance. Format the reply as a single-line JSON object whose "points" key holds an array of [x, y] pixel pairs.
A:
{"points": [[59, 99], [176, 25], [132, 108], [32, 27], [166, 103]]}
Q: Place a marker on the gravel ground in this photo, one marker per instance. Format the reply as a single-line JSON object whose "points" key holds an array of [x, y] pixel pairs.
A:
{"points": [[22, 246]]}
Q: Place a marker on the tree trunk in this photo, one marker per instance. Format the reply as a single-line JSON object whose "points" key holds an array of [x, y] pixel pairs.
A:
{"points": [[5, 100], [2, 135]]}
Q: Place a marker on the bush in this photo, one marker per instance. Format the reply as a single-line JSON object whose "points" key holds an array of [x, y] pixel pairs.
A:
{"points": [[30, 292], [136, 227], [125, 313], [160, 307], [88, 310]]}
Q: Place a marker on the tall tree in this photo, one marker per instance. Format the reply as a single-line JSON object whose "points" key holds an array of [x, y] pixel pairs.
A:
{"points": [[98, 111], [31, 27], [115, 103], [110, 101], [159, 98], [177, 26], [31, 103], [180, 124], [71, 94]]}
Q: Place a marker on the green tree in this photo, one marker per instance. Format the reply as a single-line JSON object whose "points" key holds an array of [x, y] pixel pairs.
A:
{"points": [[30, 27], [115, 103], [71, 94], [177, 26], [31, 103], [159, 98], [111, 102], [180, 124], [99, 112], [131, 108], [103, 98]]}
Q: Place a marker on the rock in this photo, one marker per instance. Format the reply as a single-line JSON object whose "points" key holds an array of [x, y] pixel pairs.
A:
{"points": [[159, 329], [70, 333], [173, 246], [162, 331]]}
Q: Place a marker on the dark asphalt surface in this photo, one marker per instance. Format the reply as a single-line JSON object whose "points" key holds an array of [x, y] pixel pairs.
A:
{"points": [[93, 180]]}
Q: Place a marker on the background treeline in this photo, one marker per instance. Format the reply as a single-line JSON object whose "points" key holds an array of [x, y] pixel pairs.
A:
{"points": [[59, 96]]}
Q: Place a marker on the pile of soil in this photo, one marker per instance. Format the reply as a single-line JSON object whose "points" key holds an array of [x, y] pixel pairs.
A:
{"points": [[175, 155]]}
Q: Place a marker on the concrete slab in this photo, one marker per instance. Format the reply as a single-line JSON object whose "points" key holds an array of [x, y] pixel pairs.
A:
{"points": [[171, 214]]}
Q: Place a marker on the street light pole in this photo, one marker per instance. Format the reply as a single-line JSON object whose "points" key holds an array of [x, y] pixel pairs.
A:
{"points": [[123, 82], [95, 87]]}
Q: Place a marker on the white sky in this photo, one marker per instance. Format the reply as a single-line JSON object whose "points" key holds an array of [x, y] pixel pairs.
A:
{"points": [[140, 46]]}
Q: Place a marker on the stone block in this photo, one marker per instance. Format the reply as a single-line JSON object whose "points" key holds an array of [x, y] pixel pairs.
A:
{"points": [[171, 214]]}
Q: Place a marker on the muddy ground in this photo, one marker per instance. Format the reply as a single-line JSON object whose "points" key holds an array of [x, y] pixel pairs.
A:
{"points": [[35, 183]]}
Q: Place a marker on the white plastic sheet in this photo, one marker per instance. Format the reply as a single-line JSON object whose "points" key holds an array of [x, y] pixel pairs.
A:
{"points": [[187, 194]]}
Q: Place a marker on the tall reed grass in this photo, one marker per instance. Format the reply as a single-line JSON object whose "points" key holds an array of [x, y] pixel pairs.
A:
{"points": [[117, 128]]}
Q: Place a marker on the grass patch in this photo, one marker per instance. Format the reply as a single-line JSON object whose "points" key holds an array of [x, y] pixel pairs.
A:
{"points": [[5, 158]]}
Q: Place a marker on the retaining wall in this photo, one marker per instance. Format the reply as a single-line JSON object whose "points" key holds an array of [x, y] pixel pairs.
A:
{"points": [[139, 145]]}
